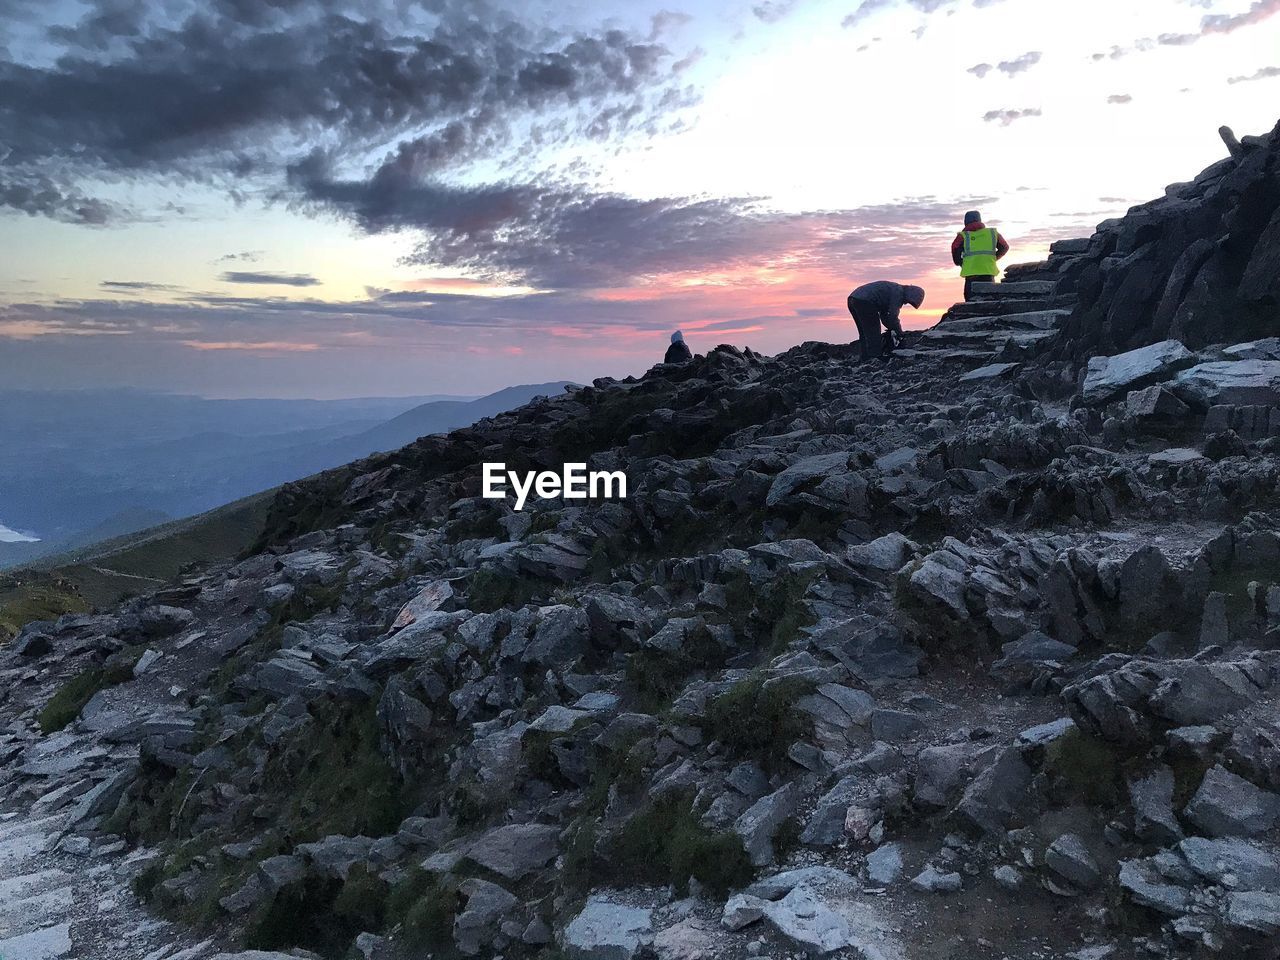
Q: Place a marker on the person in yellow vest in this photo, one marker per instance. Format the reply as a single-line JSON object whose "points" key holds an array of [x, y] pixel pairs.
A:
{"points": [[975, 251]]}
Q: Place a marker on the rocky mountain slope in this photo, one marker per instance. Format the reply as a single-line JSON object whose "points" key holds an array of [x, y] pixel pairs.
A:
{"points": [[971, 654]]}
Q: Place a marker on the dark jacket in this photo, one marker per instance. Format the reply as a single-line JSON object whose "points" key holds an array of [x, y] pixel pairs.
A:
{"points": [[678, 352], [887, 297], [957, 245]]}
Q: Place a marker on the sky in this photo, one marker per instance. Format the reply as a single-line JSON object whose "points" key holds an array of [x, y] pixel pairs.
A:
{"points": [[280, 198]]}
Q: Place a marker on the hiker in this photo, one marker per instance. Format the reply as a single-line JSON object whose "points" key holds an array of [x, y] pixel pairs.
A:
{"points": [[975, 251], [678, 352], [876, 303]]}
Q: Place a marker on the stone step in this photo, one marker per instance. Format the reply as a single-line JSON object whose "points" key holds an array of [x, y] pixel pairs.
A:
{"points": [[999, 307], [1073, 246], [995, 338], [1024, 288], [1032, 320]]}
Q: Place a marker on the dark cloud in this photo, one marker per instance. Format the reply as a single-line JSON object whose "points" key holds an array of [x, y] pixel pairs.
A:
{"points": [[1120, 98], [223, 93], [274, 279], [1006, 117], [568, 237], [139, 285], [1261, 74], [37, 195], [244, 256]]}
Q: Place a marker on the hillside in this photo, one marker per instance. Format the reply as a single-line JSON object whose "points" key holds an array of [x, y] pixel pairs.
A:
{"points": [[81, 467], [974, 653]]}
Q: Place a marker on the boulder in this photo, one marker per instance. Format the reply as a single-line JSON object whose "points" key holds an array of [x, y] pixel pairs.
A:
{"points": [[516, 850], [1234, 863], [817, 908], [1155, 403], [933, 880], [1070, 859], [488, 904], [884, 864], [1110, 377], [605, 930], [803, 471], [1253, 910], [1148, 886], [887, 553], [1152, 799], [1227, 805], [758, 824], [995, 795], [1236, 382]]}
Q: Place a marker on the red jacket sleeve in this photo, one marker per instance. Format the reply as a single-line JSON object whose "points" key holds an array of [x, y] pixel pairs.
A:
{"points": [[1002, 246], [957, 249]]}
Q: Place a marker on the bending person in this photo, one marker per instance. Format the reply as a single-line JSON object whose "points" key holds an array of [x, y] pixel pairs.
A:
{"points": [[879, 303]]}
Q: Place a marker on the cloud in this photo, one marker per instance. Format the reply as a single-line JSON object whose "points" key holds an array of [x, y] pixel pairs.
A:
{"points": [[1006, 117], [1261, 74], [1210, 24], [771, 11], [561, 236], [869, 7], [277, 279], [222, 92], [1259, 11], [258, 346], [1019, 64], [245, 256], [38, 195], [136, 285], [1009, 68], [1120, 98]]}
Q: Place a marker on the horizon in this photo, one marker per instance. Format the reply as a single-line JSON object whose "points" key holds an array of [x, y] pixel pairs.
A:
{"points": [[536, 192]]}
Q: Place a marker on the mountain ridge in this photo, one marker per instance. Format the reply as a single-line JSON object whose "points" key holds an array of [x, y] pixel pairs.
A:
{"points": [[972, 652]]}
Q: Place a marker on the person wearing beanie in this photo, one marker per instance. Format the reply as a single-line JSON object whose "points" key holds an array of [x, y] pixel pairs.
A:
{"points": [[975, 251], [678, 352], [880, 302]]}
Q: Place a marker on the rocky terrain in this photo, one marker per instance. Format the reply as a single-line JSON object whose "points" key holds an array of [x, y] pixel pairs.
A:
{"points": [[975, 653]]}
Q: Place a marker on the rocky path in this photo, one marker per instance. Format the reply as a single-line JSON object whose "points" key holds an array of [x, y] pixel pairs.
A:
{"points": [[63, 896]]}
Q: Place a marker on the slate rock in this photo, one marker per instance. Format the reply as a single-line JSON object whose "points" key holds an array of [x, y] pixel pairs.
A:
{"points": [[1071, 860], [1110, 377], [1227, 805], [605, 930], [933, 880], [516, 850]]}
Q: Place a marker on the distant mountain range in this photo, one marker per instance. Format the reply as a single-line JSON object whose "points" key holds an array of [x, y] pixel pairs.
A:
{"points": [[77, 467]]}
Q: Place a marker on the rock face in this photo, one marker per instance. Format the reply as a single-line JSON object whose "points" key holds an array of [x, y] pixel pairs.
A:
{"points": [[863, 650]]}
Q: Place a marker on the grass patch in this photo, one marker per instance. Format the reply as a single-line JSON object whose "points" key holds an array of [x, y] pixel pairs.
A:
{"points": [[665, 843], [33, 596], [491, 590], [1084, 768], [65, 705], [656, 676], [425, 908], [334, 778], [756, 719]]}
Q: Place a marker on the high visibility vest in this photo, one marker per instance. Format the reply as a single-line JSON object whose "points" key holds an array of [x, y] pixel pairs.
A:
{"points": [[980, 253]]}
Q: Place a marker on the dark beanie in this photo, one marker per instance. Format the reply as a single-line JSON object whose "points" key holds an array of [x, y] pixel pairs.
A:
{"points": [[973, 216]]}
